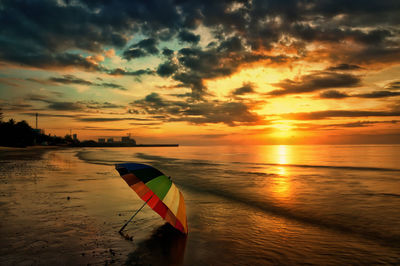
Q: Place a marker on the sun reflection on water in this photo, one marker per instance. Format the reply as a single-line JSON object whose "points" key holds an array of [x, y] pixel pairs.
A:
{"points": [[282, 156], [280, 185]]}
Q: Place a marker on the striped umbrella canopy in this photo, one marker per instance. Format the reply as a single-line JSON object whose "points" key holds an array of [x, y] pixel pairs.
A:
{"points": [[158, 191]]}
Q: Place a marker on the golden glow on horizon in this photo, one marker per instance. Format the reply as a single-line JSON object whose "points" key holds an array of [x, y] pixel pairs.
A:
{"points": [[283, 130]]}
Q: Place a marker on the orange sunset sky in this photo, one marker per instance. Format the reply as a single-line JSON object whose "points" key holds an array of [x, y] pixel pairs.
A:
{"points": [[204, 72]]}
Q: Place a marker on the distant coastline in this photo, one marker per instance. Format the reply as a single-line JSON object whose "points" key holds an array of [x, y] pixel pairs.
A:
{"points": [[21, 135], [111, 145]]}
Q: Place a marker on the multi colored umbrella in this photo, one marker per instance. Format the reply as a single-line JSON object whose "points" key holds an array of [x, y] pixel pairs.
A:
{"points": [[158, 191]]}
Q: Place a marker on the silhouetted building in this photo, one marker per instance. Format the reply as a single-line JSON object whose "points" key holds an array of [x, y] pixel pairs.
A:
{"points": [[75, 137], [128, 140], [102, 141], [110, 140]]}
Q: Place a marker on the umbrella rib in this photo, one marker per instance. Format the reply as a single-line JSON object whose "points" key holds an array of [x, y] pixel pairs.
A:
{"points": [[123, 227]]}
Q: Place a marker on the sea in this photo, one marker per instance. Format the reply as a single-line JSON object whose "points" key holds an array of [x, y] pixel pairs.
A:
{"points": [[279, 204], [246, 205]]}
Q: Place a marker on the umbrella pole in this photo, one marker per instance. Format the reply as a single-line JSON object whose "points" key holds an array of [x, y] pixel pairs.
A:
{"points": [[123, 227]]}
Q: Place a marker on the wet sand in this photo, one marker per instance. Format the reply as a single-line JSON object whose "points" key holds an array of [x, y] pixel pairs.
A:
{"points": [[50, 215], [29, 153]]}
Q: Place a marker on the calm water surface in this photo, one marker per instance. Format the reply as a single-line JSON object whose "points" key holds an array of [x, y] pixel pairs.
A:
{"points": [[281, 204]]}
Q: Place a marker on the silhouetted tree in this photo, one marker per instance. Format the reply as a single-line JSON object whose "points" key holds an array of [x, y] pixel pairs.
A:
{"points": [[16, 134], [20, 134]]}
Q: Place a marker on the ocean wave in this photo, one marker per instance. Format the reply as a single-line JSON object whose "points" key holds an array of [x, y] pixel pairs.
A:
{"points": [[91, 157], [390, 195], [269, 207]]}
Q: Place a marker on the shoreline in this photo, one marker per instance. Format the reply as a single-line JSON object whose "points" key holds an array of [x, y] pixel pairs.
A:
{"points": [[27, 153], [118, 145]]}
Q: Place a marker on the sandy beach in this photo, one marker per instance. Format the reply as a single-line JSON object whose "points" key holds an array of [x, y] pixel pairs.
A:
{"points": [[65, 206], [52, 216]]}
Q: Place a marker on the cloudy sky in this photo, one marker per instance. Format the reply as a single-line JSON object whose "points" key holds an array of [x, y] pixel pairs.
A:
{"points": [[204, 72]]}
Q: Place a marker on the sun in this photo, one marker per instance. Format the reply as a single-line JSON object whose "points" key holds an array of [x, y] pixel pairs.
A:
{"points": [[282, 129]]}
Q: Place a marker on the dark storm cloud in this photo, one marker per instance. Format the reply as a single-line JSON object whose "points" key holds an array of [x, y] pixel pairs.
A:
{"points": [[167, 52], [362, 123], [181, 95], [141, 49], [245, 89], [71, 106], [100, 119], [112, 86], [351, 124], [395, 85], [358, 12], [29, 56], [333, 94], [33, 35], [155, 100], [233, 44], [38, 98], [187, 36], [357, 124], [325, 34], [102, 129], [212, 136], [232, 113], [378, 94], [145, 124], [49, 115], [386, 92], [337, 113], [65, 106], [70, 79], [136, 73], [243, 32], [167, 69], [106, 119], [7, 106], [344, 67], [314, 82], [99, 105], [134, 53], [36, 20], [373, 55], [229, 113]]}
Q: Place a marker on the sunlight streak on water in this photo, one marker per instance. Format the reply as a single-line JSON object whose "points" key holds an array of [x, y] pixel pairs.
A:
{"points": [[283, 154], [280, 186]]}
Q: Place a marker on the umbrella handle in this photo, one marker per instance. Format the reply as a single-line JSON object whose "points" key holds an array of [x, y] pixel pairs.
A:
{"points": [[123, 227]]}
